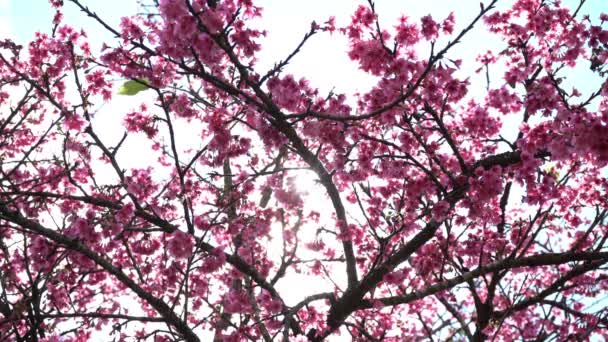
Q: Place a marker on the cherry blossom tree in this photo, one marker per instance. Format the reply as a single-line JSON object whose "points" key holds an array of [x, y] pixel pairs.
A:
{"points": [[437, 212]]}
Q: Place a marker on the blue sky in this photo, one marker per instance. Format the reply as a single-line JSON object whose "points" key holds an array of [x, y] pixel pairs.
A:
{"points": [[29, 16], [286, 21]]}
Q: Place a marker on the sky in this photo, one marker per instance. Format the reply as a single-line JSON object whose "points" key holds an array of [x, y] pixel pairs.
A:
{"points": [[323, 60]]}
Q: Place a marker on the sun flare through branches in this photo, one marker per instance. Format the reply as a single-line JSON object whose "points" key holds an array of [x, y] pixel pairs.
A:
{"points": [[394, 172]]}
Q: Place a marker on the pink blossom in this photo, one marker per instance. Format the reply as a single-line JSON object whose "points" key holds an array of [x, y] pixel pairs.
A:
{"points": [[180, 245], [430, 28]]}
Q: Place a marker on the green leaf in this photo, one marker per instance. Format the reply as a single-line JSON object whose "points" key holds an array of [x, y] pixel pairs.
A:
{"points": [[551, 171], [132, 87]]}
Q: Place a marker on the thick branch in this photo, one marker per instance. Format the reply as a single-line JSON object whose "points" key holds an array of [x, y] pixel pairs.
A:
{"points": [[159, 305], [351, 298], [530, 261]]}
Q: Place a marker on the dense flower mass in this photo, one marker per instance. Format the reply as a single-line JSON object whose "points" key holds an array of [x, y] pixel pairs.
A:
{"points": [[452, 198]]}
